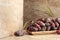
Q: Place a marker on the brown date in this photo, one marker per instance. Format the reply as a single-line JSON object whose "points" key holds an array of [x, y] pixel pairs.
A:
{"points": [[58, 32]]}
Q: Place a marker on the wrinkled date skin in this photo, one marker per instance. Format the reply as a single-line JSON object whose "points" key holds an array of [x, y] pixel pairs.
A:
{"points": [[45, 24], [47, 19], [58, 20], [48, 27], [53, 26], [32, 29], [42, 25], [38, 26]]}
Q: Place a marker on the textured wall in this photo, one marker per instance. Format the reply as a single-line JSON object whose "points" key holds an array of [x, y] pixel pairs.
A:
{"points": [[34, 9], [11, 15]]}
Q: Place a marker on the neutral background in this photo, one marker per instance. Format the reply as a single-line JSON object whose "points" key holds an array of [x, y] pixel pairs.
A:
{"points": [[34, 9], [11, 17]]}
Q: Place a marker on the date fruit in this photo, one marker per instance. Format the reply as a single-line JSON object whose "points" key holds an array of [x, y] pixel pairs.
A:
{"points": [[20, 33], [58, 32]]}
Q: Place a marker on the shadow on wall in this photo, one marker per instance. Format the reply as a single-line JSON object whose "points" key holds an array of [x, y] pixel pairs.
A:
{"points": [[33, 9]]}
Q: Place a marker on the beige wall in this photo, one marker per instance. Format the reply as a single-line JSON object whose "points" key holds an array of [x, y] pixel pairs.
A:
{"points": [[34, 9], [11, 15]]}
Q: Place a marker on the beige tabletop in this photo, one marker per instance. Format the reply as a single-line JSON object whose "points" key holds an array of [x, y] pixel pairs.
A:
{"points": [[34, 37]]}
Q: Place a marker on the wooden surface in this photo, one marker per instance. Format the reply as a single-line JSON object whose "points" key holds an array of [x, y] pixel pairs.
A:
{"points": [[43, 32]]}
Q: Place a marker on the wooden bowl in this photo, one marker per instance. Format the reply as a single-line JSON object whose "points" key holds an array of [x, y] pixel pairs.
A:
{"points": [[42, 32]]}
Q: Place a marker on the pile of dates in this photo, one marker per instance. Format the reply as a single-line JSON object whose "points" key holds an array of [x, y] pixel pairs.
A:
{"points": [[44, 24]]}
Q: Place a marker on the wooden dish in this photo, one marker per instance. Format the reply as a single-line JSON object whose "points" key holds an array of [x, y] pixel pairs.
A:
{"points": [[42, 32]]}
